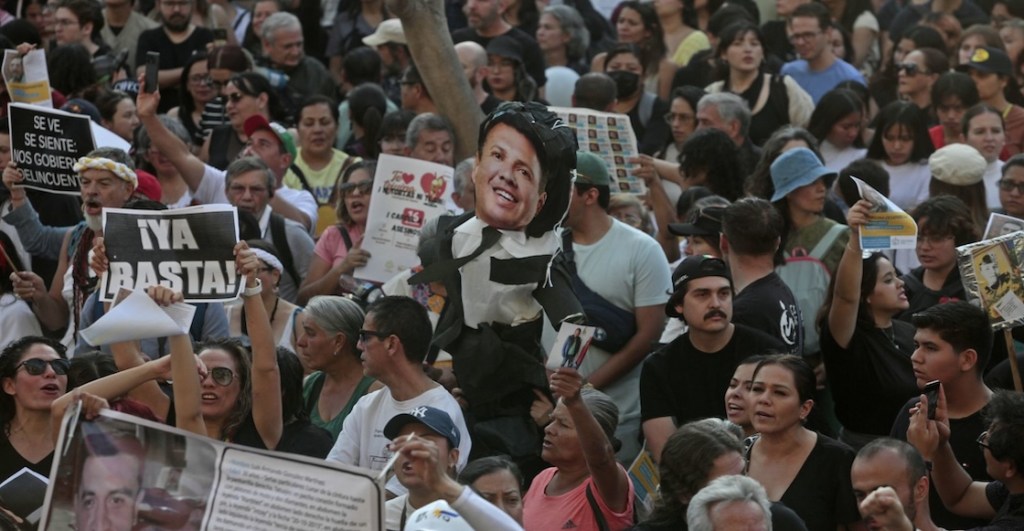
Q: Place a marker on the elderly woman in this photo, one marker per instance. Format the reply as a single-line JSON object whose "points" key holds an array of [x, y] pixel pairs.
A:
{"points": [[330, 332], [580, 442], [563, 38]]}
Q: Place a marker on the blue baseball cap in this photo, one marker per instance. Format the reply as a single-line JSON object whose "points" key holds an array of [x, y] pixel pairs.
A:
{"points": [[795, 168], [436, 419]]}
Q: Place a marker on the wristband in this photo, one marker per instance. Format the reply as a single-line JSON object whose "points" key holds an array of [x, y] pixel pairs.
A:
{"points": [[256, 290]]}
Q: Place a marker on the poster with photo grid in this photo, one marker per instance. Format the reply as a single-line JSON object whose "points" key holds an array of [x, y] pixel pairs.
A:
{"points": [[611, 137]]}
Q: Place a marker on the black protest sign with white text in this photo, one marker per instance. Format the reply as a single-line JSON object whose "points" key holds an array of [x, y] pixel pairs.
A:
{"points": [[190, 250], [46, 144]]}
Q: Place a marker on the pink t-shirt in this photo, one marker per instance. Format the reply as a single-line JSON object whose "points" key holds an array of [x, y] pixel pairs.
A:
{"points": [[331, 246], [570, 510]]}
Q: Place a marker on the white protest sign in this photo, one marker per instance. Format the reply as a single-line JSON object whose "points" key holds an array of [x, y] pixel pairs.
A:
{"points": [[139, 317], [27, 78], [406, 194], [888, 226]]}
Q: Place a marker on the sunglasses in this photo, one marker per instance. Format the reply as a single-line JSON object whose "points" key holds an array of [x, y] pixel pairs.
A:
{"points": [[37, 366], [365, 335], [1007, 185], [910, 68], [222, 376], [362, 186], [236, 97], [983, 440]]}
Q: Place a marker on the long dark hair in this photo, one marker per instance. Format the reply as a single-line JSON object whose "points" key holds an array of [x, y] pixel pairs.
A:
{"points": [[908, 115], [254, 84], [9, 359], [868, 279], [188, 105], [835, 105], [243, 371], [654, 46], [732, 33]]}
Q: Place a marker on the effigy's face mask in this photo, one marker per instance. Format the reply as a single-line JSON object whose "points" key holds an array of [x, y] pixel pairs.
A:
{"points": [[508, 180]]}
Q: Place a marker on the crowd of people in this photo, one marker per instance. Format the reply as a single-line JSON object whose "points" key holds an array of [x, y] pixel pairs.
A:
{"points": [[772, 369]]}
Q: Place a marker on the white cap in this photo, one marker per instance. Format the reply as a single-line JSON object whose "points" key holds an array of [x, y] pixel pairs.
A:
{"points": [[436, 516]]}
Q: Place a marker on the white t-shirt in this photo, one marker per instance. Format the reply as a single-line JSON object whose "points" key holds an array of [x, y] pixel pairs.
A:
{"points": [[993, 173], [836, 159], [908, 184], [362, 441]]}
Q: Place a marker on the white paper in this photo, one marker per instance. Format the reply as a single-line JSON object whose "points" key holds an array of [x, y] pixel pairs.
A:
{"points": [[1001, 225], [571, 346], [138, 317], [888, 226], [406, 194], [27, 78]]}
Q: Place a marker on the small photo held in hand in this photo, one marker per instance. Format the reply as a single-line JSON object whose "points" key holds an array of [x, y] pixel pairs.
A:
{"points": [[571, 345]]}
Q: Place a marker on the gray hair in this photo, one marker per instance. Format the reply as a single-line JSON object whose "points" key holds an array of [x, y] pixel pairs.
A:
{"points": [[726, 489], [278, 21], [114, 154], [336, 315], [730, 107], [604, 410], [463, 176], [573, 26], [172, 124], [427, 121], [246, 165]]}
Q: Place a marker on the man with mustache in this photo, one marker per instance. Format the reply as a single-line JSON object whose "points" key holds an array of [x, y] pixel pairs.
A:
{"points": [[623, 269], [176, 40], [687, 378]]}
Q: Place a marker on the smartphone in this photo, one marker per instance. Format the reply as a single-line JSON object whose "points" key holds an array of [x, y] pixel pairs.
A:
{"points": [[152, 71], [931, 390], [220, 36]]}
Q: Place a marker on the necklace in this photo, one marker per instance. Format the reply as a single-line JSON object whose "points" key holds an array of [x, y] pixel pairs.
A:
{"points": [[273, 314], [890, 333]]}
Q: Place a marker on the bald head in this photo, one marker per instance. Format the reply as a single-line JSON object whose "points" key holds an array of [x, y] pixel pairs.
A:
{"points": [[473, 59]]}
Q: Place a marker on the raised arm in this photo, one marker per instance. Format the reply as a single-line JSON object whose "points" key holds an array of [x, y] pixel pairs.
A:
{"points": [[266, 377], [842, 315], [609, 478], [663, 209], [960, 494], [187, 164]]}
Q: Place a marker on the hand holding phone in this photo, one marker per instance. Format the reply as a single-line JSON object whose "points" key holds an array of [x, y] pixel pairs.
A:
{"points": [[152, 71], [931, 390]]}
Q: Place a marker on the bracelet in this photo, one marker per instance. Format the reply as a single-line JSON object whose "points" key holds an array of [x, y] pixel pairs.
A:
{"points": [[256, 290]]}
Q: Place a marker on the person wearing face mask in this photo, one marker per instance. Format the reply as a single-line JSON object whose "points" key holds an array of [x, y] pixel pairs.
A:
{"points": [[625, 65]]}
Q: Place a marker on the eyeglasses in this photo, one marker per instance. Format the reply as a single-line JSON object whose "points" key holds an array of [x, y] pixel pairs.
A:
{"points": [[235, 97], [241, 189], [363, 186], [222, 376], [797, 37], [1007, 185], [983, 440], [672, 117], [37, 366], [200, 79], [364, 335], [910, 68], [932, 239]]}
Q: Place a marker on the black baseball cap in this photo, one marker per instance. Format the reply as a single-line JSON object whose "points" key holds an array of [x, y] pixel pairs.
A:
{"points": [[988, 60], [693, 267], [436, 419], [705, 221]]}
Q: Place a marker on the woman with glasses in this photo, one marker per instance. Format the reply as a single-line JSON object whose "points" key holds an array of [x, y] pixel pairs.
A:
{"points": [[917, 73], [192, 111], [33, 372], [245, 95], [774, 100], [339, 250], [330, 332]]}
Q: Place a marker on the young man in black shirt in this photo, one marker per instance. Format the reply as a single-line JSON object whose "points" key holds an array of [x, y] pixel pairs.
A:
{"points": [[686, 380]]}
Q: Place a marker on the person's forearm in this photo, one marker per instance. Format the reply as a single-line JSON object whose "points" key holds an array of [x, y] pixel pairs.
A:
{"points": [[950, 479], [285, 209], [176, 152], [187, 389], [849, 271], [51, 311], [38, 239], [664, 213], [669, 170], [266, 377], [170, 77], [480, 513]]}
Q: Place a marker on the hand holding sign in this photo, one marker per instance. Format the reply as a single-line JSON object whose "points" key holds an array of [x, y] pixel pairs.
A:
{"points": [[27, 285], [12, 180], [98, 258], [247, 263]]}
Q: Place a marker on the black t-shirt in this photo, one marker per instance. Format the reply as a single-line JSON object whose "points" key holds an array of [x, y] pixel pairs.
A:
{"points": [[11, 462], [653, 134], [698, 72], [298, 437], [872, 378], [821, 493], [922, 298], [533, 59], [768, 305], [1009, 508], [171, 56], [962, 439], [687, 384]]}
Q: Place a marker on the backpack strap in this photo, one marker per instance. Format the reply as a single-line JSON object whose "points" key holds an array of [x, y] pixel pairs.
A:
{"points": [[602, 524], [280, 240], [305, 182], [826, 241], [346, 237]]}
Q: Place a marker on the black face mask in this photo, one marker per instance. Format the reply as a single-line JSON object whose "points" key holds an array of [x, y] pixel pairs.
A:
{"points": [[626, 82]]}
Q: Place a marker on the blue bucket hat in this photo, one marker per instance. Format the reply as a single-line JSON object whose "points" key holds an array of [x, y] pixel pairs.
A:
{"points": [[795, 168]]}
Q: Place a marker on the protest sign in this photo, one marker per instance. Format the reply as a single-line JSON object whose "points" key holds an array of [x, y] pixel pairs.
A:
{"points": [[406, 194], [644, 475], [991, 273], [27, 79], [611, 137], [23, 493], [190, 250], [165, 478], [1001, 224], [46, 144], [139, 317], [888, 227], [571, 345]]}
